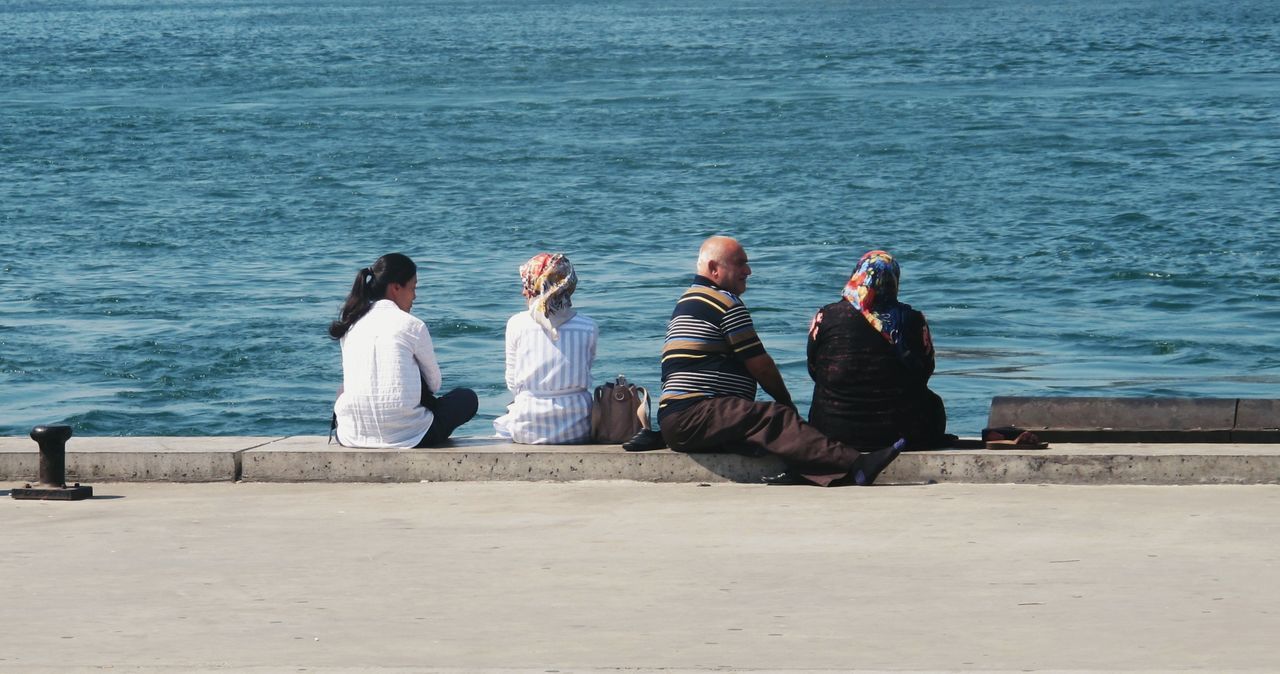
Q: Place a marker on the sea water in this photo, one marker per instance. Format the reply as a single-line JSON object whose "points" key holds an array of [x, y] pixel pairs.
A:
{"points": [[1083, 195]]}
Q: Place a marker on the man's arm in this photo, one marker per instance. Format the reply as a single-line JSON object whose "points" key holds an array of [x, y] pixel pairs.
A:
{"points": [[765, 371], [740, 333]]}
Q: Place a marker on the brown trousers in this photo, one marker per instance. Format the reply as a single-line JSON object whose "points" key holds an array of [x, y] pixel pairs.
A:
{"points": [[736, 424]]}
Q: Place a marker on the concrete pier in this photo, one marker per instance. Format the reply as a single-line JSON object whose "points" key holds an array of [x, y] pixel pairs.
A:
{"points": [[311, 459], [1108, 419], [640, 578]]}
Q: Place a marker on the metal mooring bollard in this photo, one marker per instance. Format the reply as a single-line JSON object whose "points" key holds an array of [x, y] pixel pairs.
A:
{"points": [[52, 478]]}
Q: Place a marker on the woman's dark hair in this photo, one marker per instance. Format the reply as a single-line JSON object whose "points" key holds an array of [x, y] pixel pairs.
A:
{"points": [[371, 286]]}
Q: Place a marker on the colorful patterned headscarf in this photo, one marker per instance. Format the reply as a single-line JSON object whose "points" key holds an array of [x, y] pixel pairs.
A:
{"points": [[873, 289], [549, 280]]}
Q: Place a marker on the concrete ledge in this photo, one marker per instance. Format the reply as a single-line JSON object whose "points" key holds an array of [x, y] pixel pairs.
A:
{"points": [[1095, 464], [134, 459], [1157, 420], [310, 459], [1257, 420]]}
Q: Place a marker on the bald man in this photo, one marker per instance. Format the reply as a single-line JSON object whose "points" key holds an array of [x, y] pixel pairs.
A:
{"points": [[713, 360]]}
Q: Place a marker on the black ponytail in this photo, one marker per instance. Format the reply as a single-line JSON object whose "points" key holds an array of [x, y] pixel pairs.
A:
{"points": [[369, 287]]}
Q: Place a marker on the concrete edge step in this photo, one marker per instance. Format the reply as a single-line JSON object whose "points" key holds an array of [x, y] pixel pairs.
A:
{"points": [[1110, 419], [311, 459]]}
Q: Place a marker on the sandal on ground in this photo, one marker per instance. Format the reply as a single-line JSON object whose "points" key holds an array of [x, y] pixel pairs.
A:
{"points": [[1024, 440]]}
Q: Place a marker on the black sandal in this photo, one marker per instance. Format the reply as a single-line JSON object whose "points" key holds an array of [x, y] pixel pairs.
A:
{"points": [[645, 441]]}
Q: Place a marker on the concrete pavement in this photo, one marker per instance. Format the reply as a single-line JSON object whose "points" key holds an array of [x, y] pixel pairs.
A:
{"points": [[639, 577]]}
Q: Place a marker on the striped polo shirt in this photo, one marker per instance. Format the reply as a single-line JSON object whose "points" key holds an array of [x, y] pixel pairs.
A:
{"points": [[709, 339]]}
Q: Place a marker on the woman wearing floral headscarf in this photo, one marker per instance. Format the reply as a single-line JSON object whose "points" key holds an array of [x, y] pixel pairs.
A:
{"points": [[870, 357], [550, 349]]}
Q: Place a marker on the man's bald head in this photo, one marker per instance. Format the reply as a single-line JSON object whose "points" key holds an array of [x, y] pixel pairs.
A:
{"points": [[723, 260], [716, 248]]}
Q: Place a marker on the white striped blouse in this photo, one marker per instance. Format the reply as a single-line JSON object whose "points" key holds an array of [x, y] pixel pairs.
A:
{"points": [[551, 381]]}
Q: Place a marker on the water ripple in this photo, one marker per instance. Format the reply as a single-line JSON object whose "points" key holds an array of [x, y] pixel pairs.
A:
{"points": [[1081, 194]]}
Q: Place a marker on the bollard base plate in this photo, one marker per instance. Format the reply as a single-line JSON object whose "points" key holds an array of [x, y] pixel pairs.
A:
{"points": [[29, 493]]}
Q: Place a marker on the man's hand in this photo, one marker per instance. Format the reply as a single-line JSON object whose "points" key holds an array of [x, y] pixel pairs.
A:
{"points": [[766, 372]]}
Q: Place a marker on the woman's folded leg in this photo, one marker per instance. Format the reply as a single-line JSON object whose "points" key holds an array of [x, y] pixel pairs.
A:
{"points": [[453, 409]]}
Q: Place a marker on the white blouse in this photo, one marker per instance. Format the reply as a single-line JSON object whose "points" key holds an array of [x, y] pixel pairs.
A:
{"points": [[551, 381], [385, 357]]}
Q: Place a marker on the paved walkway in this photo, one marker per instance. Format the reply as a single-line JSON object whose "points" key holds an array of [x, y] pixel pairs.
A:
{"points": [[625, 576]]}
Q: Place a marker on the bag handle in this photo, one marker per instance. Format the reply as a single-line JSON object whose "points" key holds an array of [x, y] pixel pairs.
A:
{"points": [[597, 412], [642, 410]]}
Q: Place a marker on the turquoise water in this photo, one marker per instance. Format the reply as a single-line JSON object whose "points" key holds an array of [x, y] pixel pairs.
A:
{"points": [[1083, 195]]}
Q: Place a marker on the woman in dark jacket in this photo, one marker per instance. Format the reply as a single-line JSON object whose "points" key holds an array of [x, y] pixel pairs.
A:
{"points": [[870, 357]]}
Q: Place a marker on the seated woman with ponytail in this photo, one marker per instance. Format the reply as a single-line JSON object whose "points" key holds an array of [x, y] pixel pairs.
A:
{"points": [[389, 370]]}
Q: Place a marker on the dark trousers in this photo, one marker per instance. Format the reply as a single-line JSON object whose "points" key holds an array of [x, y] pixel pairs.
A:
{"points": [[737, 424], [451, 410]]}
